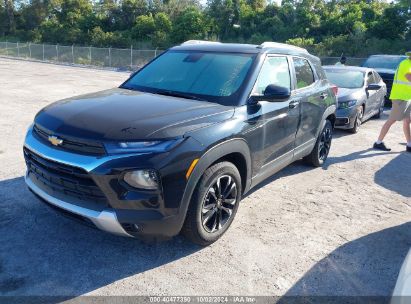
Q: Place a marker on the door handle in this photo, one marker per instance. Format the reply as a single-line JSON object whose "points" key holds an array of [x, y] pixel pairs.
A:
{"points": [[323, 95], [293, 104]]}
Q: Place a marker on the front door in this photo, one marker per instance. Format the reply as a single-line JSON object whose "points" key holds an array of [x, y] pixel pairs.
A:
{"points": [[276, 122]]}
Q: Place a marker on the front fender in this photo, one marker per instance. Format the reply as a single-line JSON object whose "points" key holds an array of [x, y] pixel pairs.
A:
{"points": [[235, 145]]}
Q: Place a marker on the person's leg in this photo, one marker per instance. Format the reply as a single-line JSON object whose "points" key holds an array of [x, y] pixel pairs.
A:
{"points": [[407, 130], [406, 126], [385, 128], [397, 112]]}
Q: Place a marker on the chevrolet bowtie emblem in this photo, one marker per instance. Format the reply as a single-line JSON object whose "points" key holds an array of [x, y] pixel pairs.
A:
{"points": [[55, 140]]}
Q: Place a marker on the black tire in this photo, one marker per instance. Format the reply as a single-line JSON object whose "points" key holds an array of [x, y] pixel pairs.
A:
{"points": [[322, 147], [358, 120], [380, 109], [208, 206]]}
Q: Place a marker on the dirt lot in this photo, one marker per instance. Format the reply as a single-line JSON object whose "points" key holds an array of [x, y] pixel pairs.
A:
{"points": [[340, 230]]}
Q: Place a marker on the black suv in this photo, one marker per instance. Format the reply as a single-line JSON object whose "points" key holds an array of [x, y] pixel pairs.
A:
{"points": [[182, 140]]}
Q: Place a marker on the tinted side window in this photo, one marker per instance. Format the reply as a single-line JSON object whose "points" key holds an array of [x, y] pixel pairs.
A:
{"points": [[275, 70], [303, 72]]}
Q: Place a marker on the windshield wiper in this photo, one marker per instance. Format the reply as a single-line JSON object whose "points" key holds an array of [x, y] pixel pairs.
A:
{"points": [[178, 94]]}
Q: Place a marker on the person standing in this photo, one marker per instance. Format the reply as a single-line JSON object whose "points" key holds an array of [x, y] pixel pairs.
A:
{"points": [[401, 104], [342, 61]]}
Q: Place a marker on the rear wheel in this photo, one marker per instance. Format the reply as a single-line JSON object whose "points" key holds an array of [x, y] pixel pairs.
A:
{"points": [[322, 147], [358, 120], [214, 204]]}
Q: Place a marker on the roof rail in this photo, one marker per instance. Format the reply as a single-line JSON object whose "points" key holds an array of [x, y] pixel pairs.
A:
{"points": [[190, 42], [269, 44]]}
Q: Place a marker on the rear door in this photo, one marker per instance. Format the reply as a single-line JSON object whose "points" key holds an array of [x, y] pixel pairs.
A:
{"points": [[309, 88]]}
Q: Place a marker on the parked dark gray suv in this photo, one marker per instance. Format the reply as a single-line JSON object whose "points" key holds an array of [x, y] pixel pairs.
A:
{"points": [[182, 140]]}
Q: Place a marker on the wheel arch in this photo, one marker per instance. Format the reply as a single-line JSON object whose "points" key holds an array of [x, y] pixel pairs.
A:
{"points": [[238, 160], [332, 118], [329, 114], [235, 150]]}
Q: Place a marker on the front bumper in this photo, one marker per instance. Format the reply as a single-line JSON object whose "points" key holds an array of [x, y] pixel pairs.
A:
{"points": [[346, 118], [122, 210], [105, 220]]}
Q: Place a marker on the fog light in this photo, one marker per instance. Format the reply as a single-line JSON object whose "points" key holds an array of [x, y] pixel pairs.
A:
{"points": [[143, 179]]}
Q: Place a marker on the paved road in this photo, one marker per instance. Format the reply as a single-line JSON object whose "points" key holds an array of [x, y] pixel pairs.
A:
{"points": [[340, 230]]}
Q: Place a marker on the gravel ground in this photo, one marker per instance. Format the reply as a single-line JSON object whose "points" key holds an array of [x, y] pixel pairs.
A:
{"points": [[339, 230]]}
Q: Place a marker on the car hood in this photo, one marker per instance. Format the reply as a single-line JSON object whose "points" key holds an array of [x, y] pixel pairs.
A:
{"points": [[349, 94], [120, 114]]}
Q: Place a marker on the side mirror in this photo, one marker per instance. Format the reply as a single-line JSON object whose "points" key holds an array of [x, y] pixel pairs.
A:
{"points": [[273, 93], [373, 87]]}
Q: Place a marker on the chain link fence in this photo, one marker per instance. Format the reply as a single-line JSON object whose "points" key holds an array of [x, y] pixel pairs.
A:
{"points": [[123, 59]]}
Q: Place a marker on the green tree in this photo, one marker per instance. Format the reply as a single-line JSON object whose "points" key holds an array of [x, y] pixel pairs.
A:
{"points": [[9, 13], [129, 11], [162, 23], [189, 25], [328, 27], [144, 27]]}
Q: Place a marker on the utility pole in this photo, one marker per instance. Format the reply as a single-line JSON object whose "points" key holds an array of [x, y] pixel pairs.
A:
{"points": [[109, 56], [131, 57]]}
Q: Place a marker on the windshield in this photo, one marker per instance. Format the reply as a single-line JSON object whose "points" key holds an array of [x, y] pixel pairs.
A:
{"points": [[346, 79], [211, 76], [383, 62]]}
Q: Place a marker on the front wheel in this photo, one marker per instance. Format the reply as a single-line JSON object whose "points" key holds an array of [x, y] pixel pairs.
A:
{"points": [[358, 120], [322, 147], [214, 204]]}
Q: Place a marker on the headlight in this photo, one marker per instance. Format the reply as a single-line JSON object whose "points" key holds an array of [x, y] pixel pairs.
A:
{"points": [[346, 104], [140, 146], [142, 179]]}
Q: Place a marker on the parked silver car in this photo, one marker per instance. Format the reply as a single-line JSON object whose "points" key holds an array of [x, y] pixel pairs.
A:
{"points": [[361, 95]]}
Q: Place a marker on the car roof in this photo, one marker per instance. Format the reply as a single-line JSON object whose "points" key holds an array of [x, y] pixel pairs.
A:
{"points": [[390, 56], [266, 47], [219, 47], [347, 68]]}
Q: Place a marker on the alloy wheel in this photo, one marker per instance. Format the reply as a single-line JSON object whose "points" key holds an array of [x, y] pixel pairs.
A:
{"points": [[325, 144], [219, 203]]}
